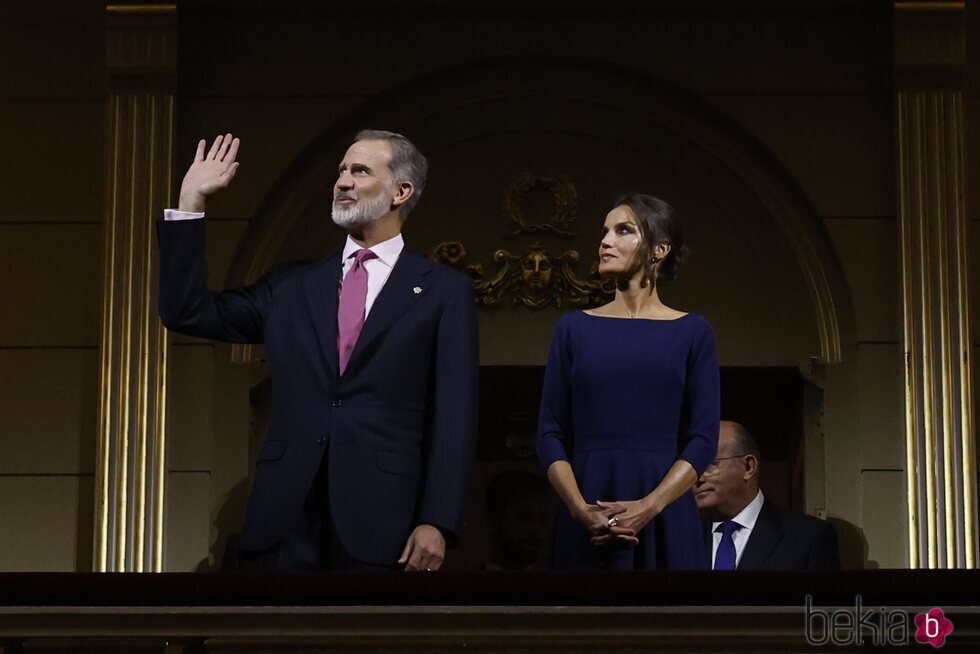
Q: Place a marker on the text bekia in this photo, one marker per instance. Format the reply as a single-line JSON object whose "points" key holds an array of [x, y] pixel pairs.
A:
{"points": [[883, 627], [854, 625]]}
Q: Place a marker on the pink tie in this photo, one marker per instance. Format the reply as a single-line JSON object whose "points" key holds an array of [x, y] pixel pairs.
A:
{"points": [[350, 313]]}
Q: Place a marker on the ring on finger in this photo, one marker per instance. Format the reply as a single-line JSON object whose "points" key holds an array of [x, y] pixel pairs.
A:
{"points": [[613, 521]]}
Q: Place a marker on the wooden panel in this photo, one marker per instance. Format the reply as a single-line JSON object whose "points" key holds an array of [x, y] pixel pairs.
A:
{"points": [[190, 407], [839, 148], [188, 524], [53, 49], [883, 518], [47, 523], [881, 394], [51, 161], [868, 252], [52, 290], [487, 629], [49, 407], [243, 55], [100, 646]]}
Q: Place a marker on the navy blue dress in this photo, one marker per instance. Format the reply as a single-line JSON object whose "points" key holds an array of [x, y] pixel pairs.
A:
{"points": [[624, 399]]}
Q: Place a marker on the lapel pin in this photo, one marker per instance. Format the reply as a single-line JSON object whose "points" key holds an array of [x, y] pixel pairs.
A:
{"points": [[417, 290]]}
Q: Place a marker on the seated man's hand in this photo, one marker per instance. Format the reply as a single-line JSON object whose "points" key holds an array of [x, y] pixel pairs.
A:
{"points": [[425, 549]]}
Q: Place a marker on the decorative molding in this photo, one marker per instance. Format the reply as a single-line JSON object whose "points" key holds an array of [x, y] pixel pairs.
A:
{"points": [[535, 279], [929, 36], [648, 623], [131, 456], [141, 39], [565, 197], [930, 5], [631, 108]]}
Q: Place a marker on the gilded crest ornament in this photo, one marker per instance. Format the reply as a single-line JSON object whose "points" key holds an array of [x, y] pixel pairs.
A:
{"points": [[563, 193], [534, 279]]}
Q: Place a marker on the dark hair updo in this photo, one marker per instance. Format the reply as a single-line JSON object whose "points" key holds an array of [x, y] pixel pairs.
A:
{"points": [[658, 224]]}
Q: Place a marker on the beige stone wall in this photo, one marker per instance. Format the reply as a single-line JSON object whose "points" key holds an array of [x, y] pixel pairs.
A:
{"points": [[812, 89], [824, 113], [51, 198]]}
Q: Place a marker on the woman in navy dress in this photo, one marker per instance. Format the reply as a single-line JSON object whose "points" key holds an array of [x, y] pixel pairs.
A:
{"points": [[630, 407]]}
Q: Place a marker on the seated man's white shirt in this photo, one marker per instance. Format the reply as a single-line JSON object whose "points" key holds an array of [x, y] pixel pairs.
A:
{"points": [[746, 518]]}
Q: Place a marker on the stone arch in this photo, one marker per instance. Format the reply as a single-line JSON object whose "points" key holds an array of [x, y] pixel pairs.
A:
{"points": [[630, 109]]}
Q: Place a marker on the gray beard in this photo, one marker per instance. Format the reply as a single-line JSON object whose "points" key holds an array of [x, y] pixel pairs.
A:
{"points": [[362, 213]]}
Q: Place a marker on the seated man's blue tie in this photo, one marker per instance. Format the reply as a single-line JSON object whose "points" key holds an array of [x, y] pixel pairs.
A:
{"points": [[725, 556]]}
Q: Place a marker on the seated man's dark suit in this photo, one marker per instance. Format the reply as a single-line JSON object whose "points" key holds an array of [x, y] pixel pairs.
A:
{"points": [[786, 540], [397, 429]]}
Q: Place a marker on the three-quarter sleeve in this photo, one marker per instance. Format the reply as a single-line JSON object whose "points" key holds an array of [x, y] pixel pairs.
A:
{"points": [[702, 402], [555, 420]]}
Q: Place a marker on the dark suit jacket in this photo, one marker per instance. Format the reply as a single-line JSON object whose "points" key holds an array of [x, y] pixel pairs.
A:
{"points": [[398, 428], [785, 540]]}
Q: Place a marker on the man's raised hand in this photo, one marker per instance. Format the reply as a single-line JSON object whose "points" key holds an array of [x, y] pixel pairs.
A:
{"points": [[209, 173]]}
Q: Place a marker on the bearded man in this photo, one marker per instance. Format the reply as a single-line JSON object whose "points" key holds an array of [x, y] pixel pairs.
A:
{"points": [[374, 362]]}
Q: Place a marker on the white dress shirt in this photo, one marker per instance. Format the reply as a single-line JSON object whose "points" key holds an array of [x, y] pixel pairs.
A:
{"points": [[378, 269], [177, 214], [746, 518]]}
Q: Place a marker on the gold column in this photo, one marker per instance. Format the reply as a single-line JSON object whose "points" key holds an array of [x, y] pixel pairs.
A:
{"points": [[940, 459], [131, 465]]}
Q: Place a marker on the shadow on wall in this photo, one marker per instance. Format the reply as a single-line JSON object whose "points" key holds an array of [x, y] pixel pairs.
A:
{"points": [[226, 523], [853, 546]]}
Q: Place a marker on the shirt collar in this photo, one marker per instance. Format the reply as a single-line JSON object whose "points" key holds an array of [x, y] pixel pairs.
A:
{"points": [[747, 517], [386, 251]]}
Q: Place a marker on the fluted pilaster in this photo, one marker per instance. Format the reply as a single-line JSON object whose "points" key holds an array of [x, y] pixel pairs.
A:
{"points": [[941, 463], [131, 465]]}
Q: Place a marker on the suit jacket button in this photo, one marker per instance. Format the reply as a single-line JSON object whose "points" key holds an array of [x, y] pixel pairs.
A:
{"points": [[321, 441], [336, 403]]}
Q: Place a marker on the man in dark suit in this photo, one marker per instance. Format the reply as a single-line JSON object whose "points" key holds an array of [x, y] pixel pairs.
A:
{"points": [[744, 531], [374, 362]]}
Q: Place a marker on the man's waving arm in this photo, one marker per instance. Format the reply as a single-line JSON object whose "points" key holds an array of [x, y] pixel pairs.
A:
{"points": [[185, 303]]}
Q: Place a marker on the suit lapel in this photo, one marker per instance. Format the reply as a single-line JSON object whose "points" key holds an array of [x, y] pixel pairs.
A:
{"points": [[765, 536], [321, 291], [404, 287]]}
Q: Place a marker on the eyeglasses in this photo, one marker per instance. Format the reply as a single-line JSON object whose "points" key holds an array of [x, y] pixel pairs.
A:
{"points": [[713, 468]]}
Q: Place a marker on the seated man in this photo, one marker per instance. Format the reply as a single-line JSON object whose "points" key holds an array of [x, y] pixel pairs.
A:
{"points": [[747, 532]]}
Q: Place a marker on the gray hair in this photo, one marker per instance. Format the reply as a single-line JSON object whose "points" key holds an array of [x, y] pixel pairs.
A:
{"points": [[407, 163]]}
